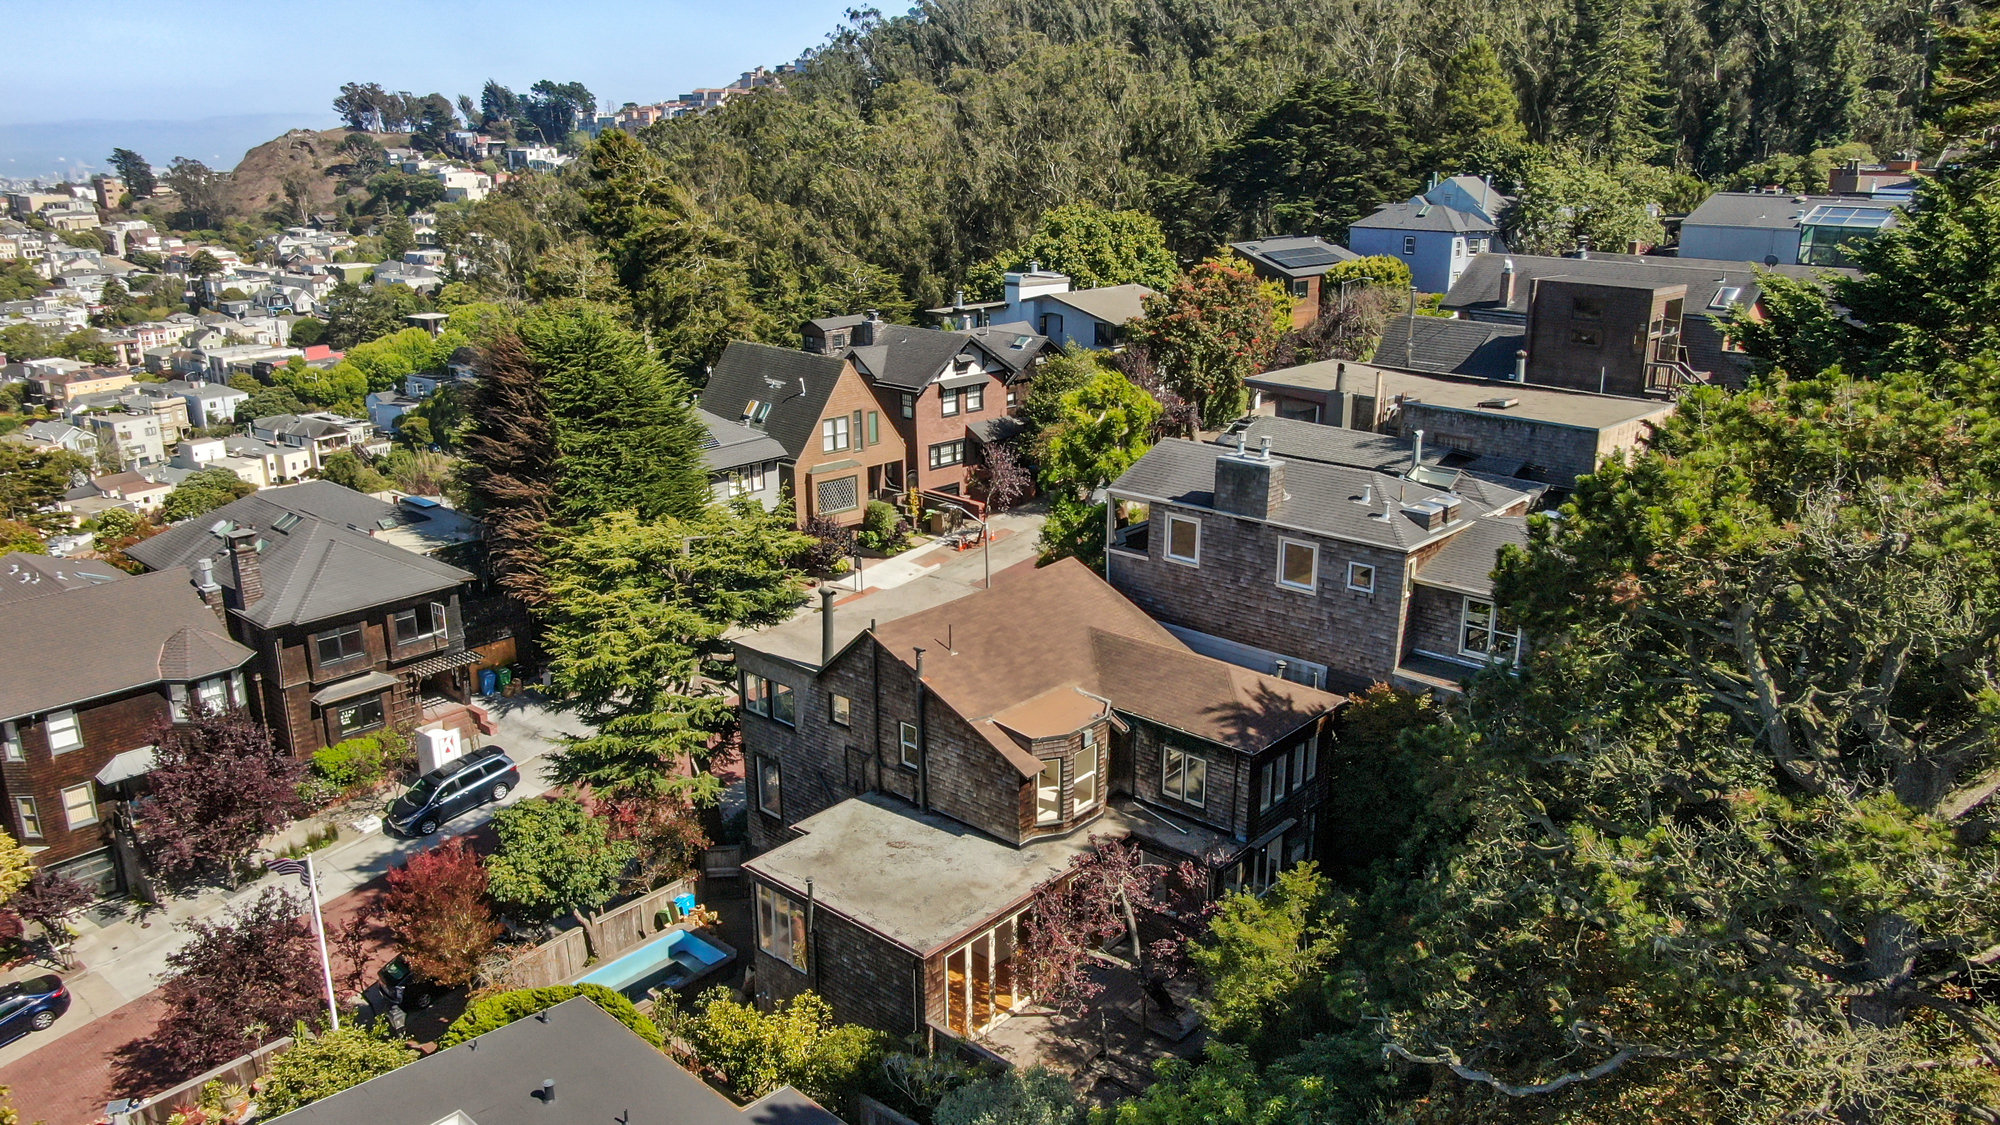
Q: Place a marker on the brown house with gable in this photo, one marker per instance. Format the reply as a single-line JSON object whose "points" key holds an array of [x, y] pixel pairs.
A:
{"points": [[913, 789]]}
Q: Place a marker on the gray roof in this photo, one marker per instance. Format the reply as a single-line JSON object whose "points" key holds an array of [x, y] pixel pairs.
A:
{"points": [[1295, 256], [99, 640], [909, 358], [24, 576], [1320, 499], [1452, 346], [1483, 193], [313, 569], [1294, 439], [299, 425], [1762, 210], [795, 383], [1421, 214], [1112, 304], [732, 445], [921, 880], [1550, 405], [602, 1071], [1478, 288], [1465, 563]]}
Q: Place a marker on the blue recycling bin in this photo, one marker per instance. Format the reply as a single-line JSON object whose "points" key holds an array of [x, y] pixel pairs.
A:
{"points": [[684, 904], [489, 682]]}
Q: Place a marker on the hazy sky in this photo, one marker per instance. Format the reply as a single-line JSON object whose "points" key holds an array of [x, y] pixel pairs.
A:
{"points": [[194, 59]]}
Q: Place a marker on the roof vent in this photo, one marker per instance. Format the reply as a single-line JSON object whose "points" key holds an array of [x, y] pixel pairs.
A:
{"points": [[1499, 403]]}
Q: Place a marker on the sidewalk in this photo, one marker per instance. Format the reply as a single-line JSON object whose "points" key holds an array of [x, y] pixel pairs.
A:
{"points": [[122, 958], [1015, 537]]}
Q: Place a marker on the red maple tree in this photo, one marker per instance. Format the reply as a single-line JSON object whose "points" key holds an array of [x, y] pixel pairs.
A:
{"points": [[436, 905]]}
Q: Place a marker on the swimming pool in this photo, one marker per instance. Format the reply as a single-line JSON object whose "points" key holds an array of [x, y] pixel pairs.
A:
{"points": [[671, 960]]}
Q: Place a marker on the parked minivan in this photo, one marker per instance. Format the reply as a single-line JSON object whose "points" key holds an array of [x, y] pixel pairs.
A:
{"points": [[464, 783]]}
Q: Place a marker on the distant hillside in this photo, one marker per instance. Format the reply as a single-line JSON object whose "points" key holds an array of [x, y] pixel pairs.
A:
{"points": [[303, 155]]}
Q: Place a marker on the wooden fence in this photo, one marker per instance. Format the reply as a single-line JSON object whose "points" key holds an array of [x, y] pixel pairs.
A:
{"points": [[241, 1072], [601, 938]]}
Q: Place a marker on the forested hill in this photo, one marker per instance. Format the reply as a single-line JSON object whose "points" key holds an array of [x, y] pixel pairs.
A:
{"points": [[910, 150]]}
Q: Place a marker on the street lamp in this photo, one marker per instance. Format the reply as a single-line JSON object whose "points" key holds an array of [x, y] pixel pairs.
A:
{"points": [[985, 535]]}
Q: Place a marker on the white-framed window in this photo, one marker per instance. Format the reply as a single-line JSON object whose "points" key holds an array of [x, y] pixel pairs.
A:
{"points": [[833, 435], [1184, 776], [420, 624], [10, 742], [1409, 245], [770, 787], [1048, 792], [1298, 565], [781, 927], [975, 399], [1485, 632], [30, 818], [948, 402], [1184, 540], [65, 733], [756, 694], [80, 806], [840, 710], [947, 453], [1083, 792], [906, 736], [1361, 577]]}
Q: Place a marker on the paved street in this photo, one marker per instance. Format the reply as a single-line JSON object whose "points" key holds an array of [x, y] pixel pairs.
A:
{"points": [[65, 1075]]}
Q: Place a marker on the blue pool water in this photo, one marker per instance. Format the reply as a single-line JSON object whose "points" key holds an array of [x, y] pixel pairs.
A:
{"points": [[669, 961]]}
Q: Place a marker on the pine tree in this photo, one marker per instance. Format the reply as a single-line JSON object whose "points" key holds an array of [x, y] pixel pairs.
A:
{"points": [[1613, 92], [1474, 109]]}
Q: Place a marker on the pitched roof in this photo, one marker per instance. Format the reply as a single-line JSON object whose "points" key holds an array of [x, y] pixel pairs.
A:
{"points": [[602, 1071], [97, 640], [1489, 198], [1295, 256], [24, 576], [1112, 304], [1763, 210], [909, 358], [1062, 630], [1335, 501], [795, 383], [313, 567], [1465, 563], [1421, 214], [1479, 287], [731, 444], [1452, 346]]}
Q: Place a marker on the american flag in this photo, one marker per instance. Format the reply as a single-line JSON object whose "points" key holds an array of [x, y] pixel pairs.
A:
{"points": [[292, 867]]}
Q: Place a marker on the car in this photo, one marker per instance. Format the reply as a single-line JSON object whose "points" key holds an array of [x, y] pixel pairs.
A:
{"points": [[407, 988], [479, 778], [31, 1005]]}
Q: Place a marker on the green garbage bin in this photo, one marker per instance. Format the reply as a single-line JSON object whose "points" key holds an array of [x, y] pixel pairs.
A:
{"points": [[506, 677]]}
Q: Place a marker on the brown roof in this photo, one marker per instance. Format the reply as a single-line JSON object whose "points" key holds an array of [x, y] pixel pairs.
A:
{"points": [[1020, 651], [96, 641]]}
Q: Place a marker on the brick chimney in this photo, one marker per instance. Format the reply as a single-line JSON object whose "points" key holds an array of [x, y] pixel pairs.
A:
{"points": [[209, 589], [244, 564]]}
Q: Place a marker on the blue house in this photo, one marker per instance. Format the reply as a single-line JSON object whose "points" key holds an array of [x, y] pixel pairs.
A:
{"points": [[1436, 234]]}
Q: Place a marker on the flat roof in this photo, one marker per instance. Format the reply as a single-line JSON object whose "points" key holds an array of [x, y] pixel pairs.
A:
{"points": [[919, 879], [1554, 405]]}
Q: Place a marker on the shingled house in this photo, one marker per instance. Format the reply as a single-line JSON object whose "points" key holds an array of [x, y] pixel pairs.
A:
{"points": [[1300, 557], [351, 633], [90, 668], [916, 787], [866, 410]]}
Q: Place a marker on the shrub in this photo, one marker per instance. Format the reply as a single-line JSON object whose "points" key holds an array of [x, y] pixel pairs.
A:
{"points": [[795, 1044], [496, 1012], [355, 764], [1033, 1096], [319, 1066], [831, 544], [436, 906], [883, 529]]}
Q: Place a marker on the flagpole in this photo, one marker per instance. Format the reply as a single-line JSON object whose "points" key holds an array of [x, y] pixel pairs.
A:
{"points": [[319, 931]]}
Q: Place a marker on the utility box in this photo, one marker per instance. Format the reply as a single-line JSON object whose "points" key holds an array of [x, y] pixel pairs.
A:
{"points": [[436, 747]]}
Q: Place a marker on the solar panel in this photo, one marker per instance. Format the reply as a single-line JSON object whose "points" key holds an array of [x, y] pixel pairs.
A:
{"points": [[1303, 256], [1852, 218]]}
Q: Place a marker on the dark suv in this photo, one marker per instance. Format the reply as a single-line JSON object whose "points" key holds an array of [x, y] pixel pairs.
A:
{"points": [[468, 782], [31, 1005]]}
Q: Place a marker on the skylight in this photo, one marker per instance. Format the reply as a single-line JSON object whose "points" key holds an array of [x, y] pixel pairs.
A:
{"points": [[286, 522], [1725, 297]]}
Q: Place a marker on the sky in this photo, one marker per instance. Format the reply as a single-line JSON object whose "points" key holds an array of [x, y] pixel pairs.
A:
{"points": [[225, 73]]}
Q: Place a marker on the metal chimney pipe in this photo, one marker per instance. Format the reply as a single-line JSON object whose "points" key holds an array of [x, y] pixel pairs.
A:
{"points": [[548, 1091], [1521, 366], [1416, 450], [1264, 452]]}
